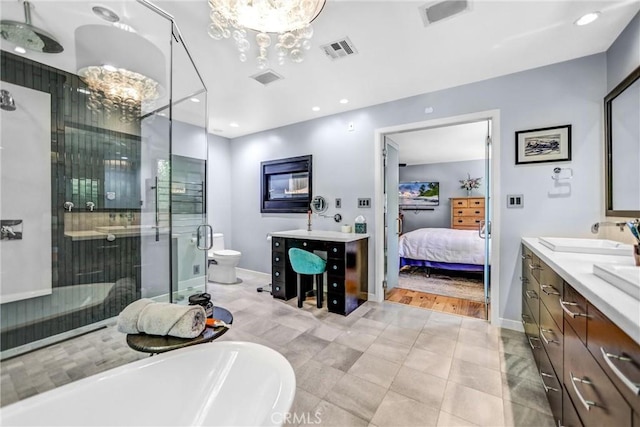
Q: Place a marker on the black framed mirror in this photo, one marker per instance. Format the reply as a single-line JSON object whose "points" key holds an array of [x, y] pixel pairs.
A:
{"points": [[622, 148]]}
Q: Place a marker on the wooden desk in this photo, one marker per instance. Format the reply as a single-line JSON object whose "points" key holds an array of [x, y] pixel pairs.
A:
{"points": [[347, 266], [155, 344]]}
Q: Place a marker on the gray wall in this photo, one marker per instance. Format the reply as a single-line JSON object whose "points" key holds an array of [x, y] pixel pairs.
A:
{"points": [[219, 187], [624, 54], [448, 175], [569, 92]]}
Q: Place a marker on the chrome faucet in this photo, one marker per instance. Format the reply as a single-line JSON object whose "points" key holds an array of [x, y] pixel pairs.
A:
{"points": [[596, 227]]}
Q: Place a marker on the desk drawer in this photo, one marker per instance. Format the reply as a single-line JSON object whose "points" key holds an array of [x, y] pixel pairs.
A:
{"points": [[335, 303], [277, 244], [335, 268], [278, 290], [596, 399], [335, 250], [616, 353], [299, 243], [278, 258], [335, 285]]}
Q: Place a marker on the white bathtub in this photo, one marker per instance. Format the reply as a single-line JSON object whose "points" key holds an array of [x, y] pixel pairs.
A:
{"points": [[218, 384]]}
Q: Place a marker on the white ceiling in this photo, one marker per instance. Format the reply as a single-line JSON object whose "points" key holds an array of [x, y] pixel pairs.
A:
{"points": [[397, 55], [454, 143]]}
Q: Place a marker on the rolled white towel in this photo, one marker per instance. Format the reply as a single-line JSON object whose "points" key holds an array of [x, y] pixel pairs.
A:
{"points": [[183, 321], [128, 317]]}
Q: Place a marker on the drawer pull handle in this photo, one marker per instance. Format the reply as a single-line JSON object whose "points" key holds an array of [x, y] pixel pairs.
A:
{"points": [[527, 256], [534, 267], [547, 389], [545, 339], [524, 280], [277, 259], [304, 244], [276, 244], [529, 292], [277, 273], [335, 267], [564, 305], [335, 250], [277, 288], [635, 388], [533, 347], [335, 285], [553, 292], [586, 403]]}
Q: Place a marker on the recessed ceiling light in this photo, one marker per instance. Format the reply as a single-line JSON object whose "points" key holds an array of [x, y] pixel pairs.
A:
{"points": [[194, 100], [234, 125], [587, 18], [109, 67], [315, 108], [344, 101], [106, 14], [20, 49]]}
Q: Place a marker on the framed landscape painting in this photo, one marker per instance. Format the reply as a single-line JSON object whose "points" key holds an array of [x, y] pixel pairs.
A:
{"points": [[543, 145]]}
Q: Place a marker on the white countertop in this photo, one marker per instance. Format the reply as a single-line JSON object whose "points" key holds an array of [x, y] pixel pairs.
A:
{"points": [[332, 236], [577, 270]]}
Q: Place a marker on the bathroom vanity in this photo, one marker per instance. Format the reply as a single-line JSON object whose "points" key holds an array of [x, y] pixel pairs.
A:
{"points": [[347, 266], [585, 337]]}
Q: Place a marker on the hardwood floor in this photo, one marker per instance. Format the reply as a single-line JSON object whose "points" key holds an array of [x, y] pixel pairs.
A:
{"points": [[434, 302]]}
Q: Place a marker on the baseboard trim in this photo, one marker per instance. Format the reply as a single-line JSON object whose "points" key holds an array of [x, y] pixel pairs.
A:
{"points": [[514, 325]]}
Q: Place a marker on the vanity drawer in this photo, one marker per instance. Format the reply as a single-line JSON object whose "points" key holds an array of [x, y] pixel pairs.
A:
{"points": [[552, 386], [596, 399], [530, 295], [570, 416], [531, 332], [616, 353], [335, 250], [278, 290], [575, 311], [551, 339], [335, 268], [551, 290], [300, 244]]}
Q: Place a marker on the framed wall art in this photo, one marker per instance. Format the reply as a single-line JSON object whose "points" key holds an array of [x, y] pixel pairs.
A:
{"points": [[552, 144]]}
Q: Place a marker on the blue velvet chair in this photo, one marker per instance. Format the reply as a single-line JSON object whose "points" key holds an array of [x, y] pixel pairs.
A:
{"points": [[304, 262]]}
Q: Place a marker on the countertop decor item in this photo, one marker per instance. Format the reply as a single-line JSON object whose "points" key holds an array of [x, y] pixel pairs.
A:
{"points": [[470, 184]]}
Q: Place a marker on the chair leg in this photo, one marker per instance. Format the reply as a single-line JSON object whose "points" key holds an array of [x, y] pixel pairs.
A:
{"points": [[319, 289], [300, 293]]}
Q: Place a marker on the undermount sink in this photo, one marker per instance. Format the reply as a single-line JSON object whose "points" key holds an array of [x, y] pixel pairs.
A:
{"points": [[624, 277], [586, 246]]}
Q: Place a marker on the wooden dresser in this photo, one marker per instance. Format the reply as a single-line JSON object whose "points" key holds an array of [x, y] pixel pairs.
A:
{"points": [[467, 212]]}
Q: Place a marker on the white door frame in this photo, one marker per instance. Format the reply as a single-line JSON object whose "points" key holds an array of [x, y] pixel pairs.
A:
{"points": [[378, 202]]}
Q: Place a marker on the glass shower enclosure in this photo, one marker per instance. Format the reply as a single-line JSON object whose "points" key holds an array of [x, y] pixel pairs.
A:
{"points": [[102, 197]]}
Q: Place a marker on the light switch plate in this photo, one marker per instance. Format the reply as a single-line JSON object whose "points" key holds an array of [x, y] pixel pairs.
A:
{"points": [[364, 202], [515, 200], [338, 203]]}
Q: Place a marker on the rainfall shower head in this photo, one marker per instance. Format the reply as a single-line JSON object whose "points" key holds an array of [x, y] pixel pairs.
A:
{"points": [[6, 101], [27, 36]]}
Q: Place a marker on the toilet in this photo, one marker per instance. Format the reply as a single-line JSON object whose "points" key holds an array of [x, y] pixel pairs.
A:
{"points": [[223, 267]]}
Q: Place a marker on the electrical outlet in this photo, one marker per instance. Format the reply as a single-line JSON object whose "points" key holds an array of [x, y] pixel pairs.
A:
{"points": [[515, 200], [364, 203], [196, 269], [350, 127], [338, 203]]}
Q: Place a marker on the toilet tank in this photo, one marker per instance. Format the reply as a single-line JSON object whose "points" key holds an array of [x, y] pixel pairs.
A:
{"points": [[217, 242]]}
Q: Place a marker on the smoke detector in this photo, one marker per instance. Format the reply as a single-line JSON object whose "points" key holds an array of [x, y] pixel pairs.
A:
{"points": [[339, 49], [433, 12], [267, 77]]}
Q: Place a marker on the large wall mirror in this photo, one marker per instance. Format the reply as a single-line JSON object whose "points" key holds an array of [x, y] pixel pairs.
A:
{"points": [[622, 138]]}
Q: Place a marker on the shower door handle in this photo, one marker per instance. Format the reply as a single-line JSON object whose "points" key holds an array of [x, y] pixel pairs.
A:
{"points": [[208, 237], [157, 207]]}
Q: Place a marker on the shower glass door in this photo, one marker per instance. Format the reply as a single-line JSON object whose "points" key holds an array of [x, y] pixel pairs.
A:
{"points": [[100, 205]]}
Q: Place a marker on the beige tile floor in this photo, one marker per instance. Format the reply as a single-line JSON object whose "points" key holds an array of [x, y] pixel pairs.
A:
{"points": [[383, 365]]}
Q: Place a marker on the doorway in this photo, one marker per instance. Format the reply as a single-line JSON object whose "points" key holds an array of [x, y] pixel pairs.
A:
{"points": [[433, 208]]}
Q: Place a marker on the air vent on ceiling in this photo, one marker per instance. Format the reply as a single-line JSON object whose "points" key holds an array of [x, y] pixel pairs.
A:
{"points": [[437, 11], [339, 49], [266, 77]]}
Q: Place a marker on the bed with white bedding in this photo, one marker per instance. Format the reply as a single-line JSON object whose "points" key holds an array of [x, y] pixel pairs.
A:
{"points": [[444, 248]]}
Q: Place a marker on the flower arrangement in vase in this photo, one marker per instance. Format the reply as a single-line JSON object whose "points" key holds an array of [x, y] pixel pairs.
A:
{"points": [[470, 184]]}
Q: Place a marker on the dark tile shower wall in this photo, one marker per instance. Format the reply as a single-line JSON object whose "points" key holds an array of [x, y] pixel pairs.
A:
{"points": [[80, 157]]}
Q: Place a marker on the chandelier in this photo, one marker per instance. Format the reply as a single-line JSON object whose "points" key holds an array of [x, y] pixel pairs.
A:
{"points": [[118, 91], [288, 20]]}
